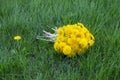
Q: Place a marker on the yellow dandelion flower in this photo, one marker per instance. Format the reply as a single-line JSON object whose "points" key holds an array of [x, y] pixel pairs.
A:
{"points": [[60, 38], [68, 30], [83, 43], [62, 45], [60, 31], [17, 37], [71, 41], [92, 37], [84, 29], [91, 42], [56, 46], [72, 36], [80, 24], [75, 47], [67, 50], [80, 35]]}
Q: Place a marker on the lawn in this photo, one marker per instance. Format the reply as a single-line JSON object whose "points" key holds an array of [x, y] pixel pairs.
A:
{"points": [[33, 59]]}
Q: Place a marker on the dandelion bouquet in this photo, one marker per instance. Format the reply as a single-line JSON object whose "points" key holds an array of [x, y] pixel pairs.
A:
{"points": [[70, 39]]}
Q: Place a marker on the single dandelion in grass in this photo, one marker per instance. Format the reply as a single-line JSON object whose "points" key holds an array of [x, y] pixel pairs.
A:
{"points": [[70, 39], [17, 37]]}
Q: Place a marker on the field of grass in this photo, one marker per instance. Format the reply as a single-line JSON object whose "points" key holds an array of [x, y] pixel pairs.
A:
{"points": [[33, 59]]}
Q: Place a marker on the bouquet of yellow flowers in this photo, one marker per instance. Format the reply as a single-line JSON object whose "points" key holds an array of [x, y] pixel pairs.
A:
{"points": [[70, 39]]}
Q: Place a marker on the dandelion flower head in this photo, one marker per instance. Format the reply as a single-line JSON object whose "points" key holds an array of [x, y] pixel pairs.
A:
{"points": [[17, 37]]}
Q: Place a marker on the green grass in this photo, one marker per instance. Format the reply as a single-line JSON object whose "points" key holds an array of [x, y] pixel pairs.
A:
{"points": [[32, 59]]}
